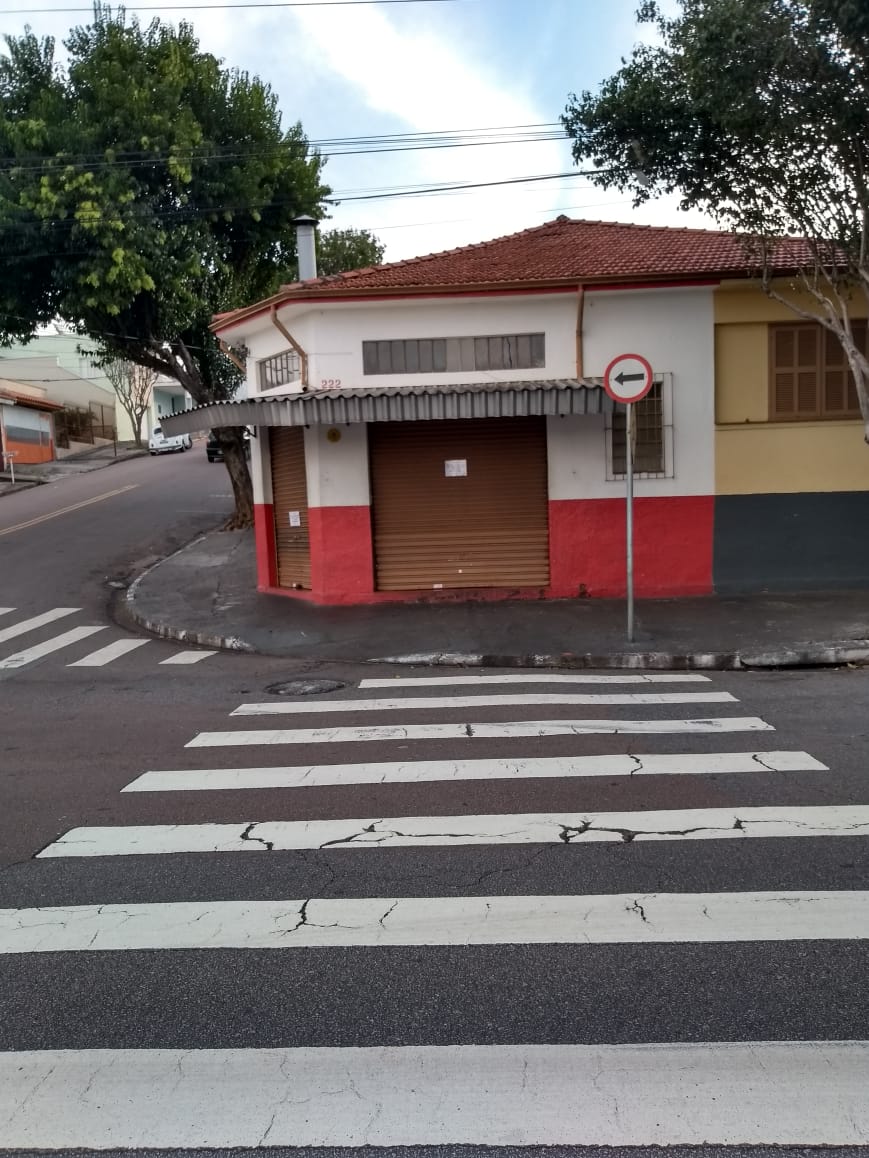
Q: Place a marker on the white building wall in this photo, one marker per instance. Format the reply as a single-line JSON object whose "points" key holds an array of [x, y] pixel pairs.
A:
{"points": [[332, 337], [337, 470], [674, 329], [336, 351]]}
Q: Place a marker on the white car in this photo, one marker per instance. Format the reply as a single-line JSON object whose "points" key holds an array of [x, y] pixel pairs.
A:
{"points": [[160, 443]]}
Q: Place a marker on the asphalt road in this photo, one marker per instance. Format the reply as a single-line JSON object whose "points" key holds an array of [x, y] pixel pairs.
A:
{"points": [[74, 737]]}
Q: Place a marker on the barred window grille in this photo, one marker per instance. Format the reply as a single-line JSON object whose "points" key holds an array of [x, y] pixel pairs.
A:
{"points": [[454, 355], [279, 370], [650, 456]]}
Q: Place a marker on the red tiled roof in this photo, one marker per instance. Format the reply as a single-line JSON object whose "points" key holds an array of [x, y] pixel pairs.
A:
{"points": [[35, 402], [563, 251]]}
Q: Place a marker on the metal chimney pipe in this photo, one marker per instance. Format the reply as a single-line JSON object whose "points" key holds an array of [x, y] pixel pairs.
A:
{"points": [[306, 247]]}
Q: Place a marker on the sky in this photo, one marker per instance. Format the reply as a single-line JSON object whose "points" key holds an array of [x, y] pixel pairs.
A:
{"points": [[426, 66]]}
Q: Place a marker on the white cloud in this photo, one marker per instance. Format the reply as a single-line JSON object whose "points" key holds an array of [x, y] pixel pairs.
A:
{"points": [[425, 82]]}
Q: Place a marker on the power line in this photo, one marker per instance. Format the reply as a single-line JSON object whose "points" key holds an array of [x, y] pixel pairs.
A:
{"points": [[335, 147], [183, 213]]}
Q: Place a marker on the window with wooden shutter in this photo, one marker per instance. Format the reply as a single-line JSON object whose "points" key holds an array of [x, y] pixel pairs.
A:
{"points": [[809, 373]]}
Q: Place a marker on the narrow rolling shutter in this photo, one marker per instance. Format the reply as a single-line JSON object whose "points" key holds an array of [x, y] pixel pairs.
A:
{"points": [[486, 528], [290, 497]]}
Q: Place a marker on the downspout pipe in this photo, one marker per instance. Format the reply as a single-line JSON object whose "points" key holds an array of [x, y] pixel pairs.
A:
{"points": [[303, 357]]}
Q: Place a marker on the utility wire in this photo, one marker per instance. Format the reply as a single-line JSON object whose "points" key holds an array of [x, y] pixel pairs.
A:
{"points": [[182, 213], [338, 147]]}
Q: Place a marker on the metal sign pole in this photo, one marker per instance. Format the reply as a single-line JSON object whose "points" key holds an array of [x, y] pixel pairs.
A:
{"points": [[629, 515]]}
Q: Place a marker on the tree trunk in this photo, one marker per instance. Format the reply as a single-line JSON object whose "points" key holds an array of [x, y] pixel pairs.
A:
{"points": [[136, 425], [234, 446]]}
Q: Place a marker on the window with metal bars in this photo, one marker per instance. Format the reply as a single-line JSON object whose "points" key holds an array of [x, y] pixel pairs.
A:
{"points": [[454, 355], [280, 370], [809, 376], [649, 451]]}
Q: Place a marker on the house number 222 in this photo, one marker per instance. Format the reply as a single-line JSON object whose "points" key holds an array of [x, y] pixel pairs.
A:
{"points": [[329, 383]]}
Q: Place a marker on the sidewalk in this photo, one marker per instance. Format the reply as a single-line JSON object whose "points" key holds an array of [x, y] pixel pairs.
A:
{"points": [[205, 593], [30, 474]]}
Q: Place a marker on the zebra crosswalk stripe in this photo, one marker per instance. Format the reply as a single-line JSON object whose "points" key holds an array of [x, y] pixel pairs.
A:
{"points": [[108, 653], [686, 1093], [521, 729], [31, 654], [453, 703], [429, 771], [35, 622], [454, 831], [622, 918], [536, 678], [187, 657]]}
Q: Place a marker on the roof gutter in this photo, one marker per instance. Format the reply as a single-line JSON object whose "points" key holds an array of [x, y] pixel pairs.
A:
{"points": [[303, 357]]}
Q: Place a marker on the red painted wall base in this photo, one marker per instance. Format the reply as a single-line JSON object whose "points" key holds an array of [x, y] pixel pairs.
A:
{"points": [[672, 545], [264, 537], [342, 554], [673, 553]]}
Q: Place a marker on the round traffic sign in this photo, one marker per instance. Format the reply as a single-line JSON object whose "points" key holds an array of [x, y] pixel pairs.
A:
{"points": [[628, 378]]}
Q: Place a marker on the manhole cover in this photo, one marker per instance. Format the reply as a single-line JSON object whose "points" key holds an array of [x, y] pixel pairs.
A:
{"points": [[304, 687]]}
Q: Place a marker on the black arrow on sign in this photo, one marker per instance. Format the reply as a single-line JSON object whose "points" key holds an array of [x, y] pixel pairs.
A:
{"points": [[622, 377]]}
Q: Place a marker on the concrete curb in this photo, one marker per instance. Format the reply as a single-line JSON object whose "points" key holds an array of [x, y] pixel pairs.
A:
{"points": [[804, 655], [166, 630]]}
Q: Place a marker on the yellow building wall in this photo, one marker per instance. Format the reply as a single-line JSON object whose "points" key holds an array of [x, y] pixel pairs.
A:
{"points": [[752, 455]]}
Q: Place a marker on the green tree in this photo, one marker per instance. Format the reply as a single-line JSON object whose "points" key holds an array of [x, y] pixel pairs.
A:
{"points": [[144, 187], [341, 249], [756, 111]]}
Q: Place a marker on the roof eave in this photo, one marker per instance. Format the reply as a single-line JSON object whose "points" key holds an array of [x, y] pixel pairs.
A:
{"points": [[342, 292]]}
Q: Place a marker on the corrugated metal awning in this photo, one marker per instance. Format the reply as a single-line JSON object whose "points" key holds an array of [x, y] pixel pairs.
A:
{"points": [[557, 396]]}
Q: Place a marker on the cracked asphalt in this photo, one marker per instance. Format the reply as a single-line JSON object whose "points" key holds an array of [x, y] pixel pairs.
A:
{"points": [[72, 739]]}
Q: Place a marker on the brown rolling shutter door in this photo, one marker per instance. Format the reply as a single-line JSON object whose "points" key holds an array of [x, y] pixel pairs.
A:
{"points": [[290, 497], [489, 528]]}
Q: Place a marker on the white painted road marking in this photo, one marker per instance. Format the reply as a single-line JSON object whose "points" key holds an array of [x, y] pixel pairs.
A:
{"points": [[626, 918], [35, 622], [444, 831], [798, 1093], [423, 771], [456, 703], [67, 510], [6, 610], [21, 658], [536, 678], [510, 728], [111, 651], [188, 657]]}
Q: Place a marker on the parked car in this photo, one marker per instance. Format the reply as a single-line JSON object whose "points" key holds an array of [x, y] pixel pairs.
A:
{"points": [[160, 443], [213, 449]]}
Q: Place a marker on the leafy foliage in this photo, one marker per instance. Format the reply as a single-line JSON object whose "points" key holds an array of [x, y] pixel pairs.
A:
{"points": [[144, 187], [756, 111], [341, 249]]}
